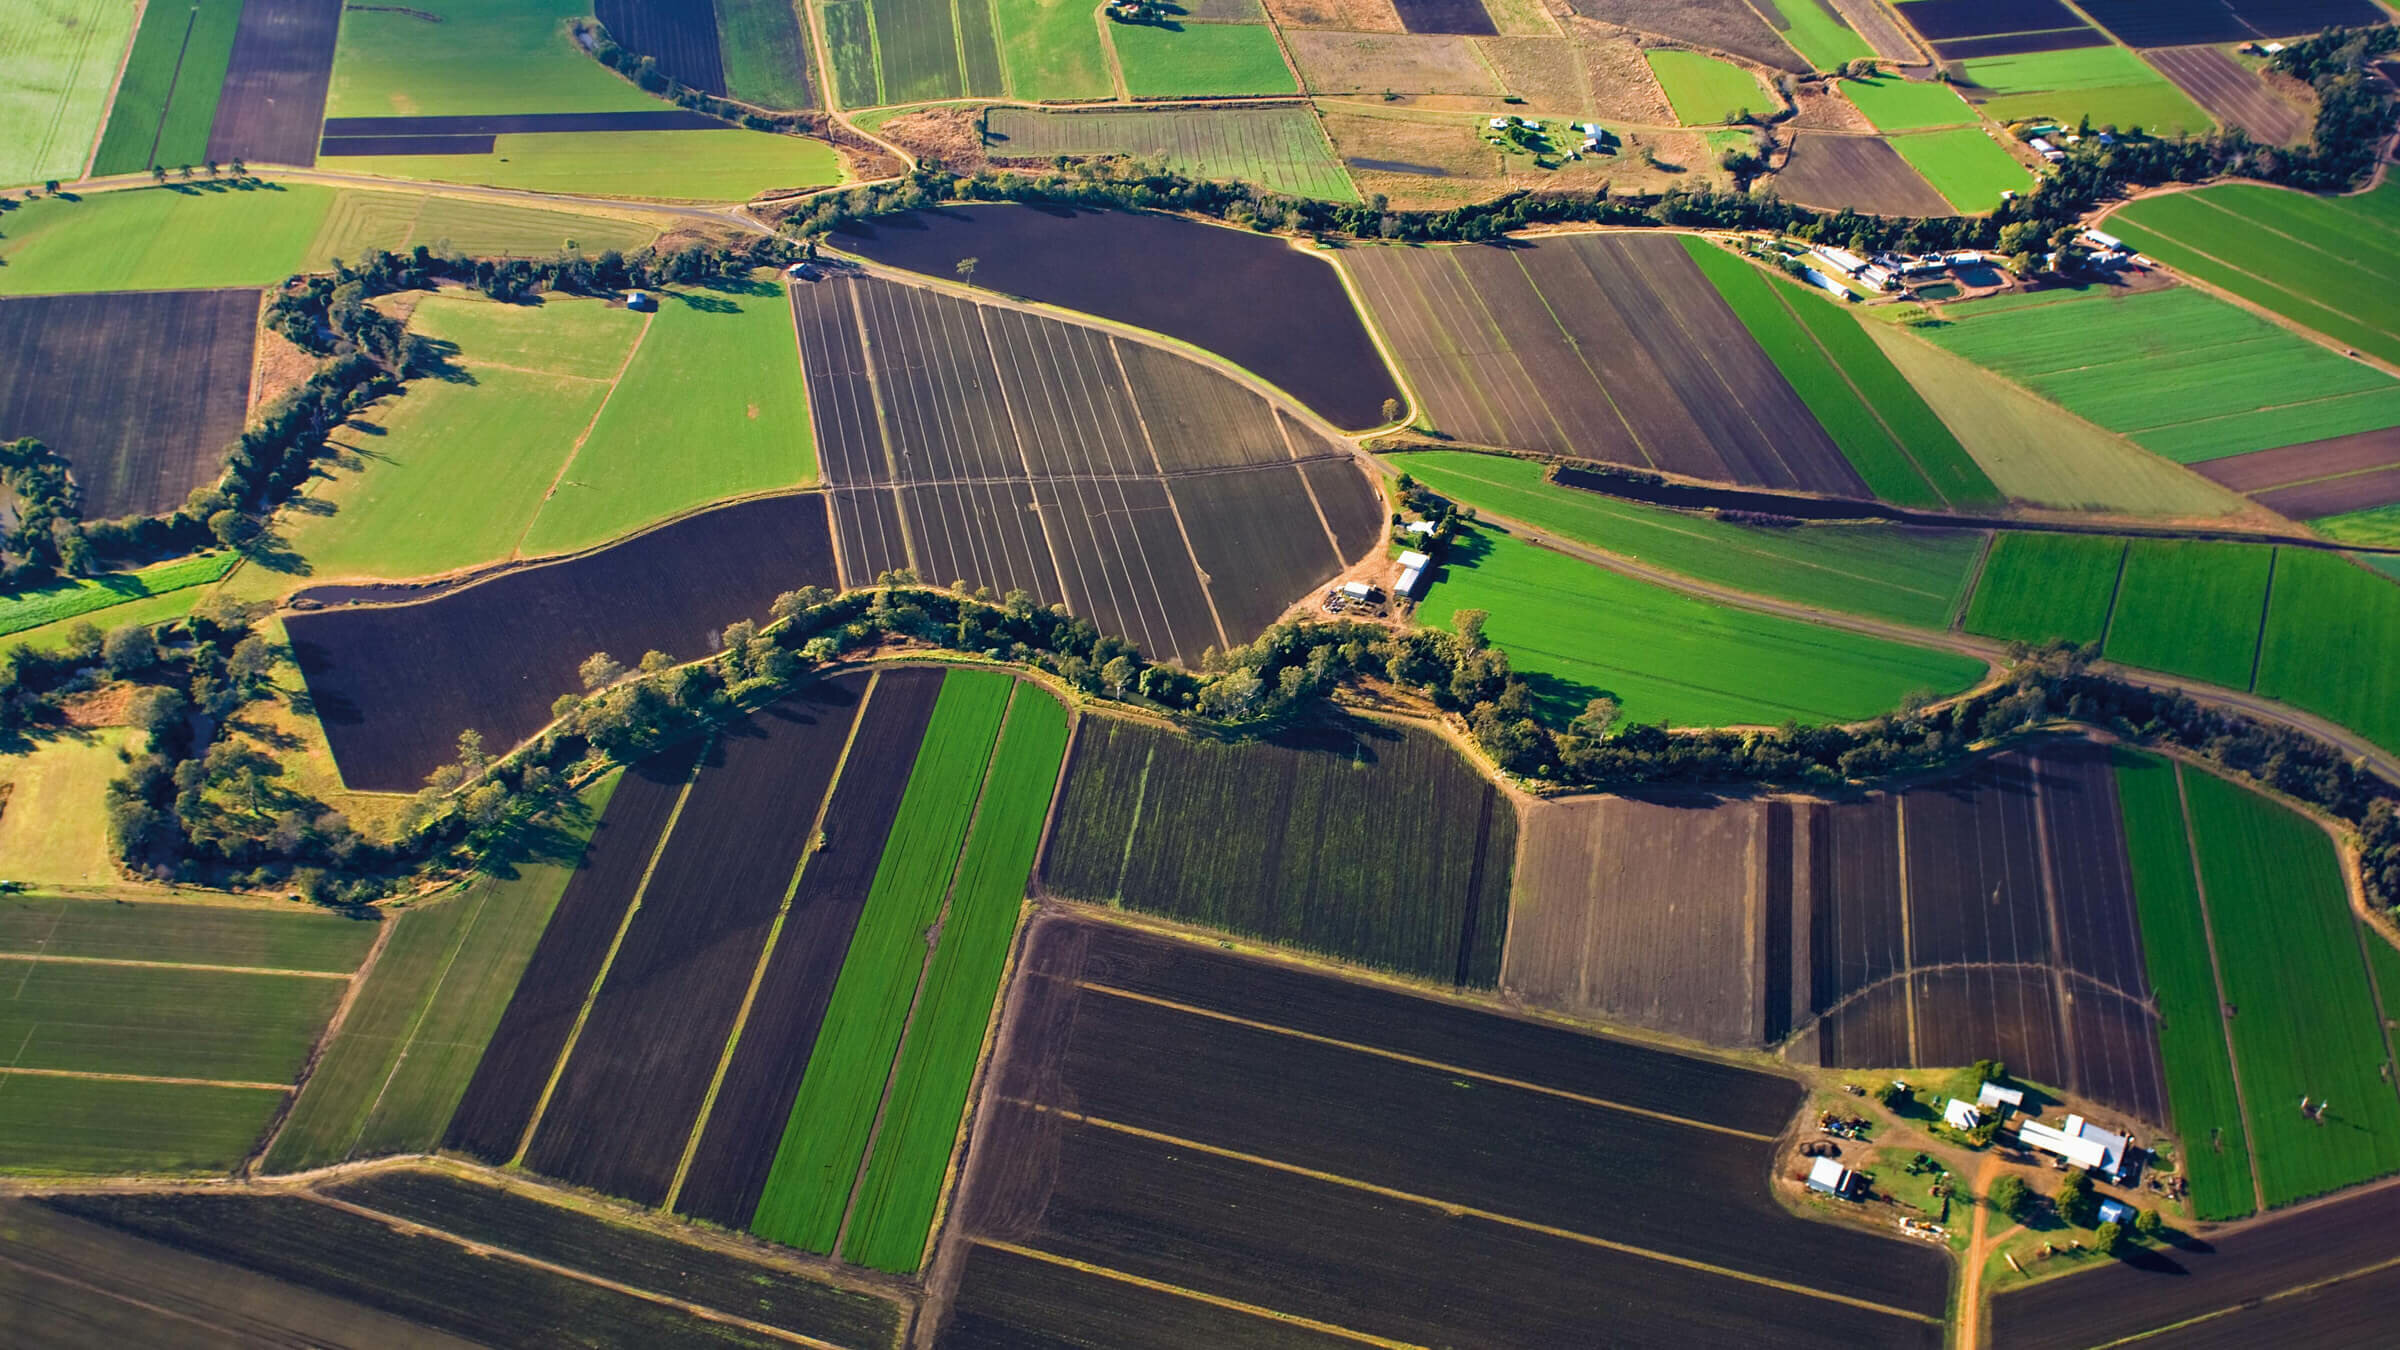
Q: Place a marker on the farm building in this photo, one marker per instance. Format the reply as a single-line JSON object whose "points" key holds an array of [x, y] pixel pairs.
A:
{"points": [[1421, 528], [1991, 1096], [2115, 1211], [1412, 571], [1960, 1115], [2082, 1143], [640, 300], [1831, 1177]]}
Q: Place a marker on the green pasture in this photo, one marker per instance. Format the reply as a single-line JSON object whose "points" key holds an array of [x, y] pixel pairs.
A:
{"points": [[711, 407], [2378, 525], [168, 96], [70, 597], [850, 41], [912, 1150], [60, 57], [362, 219], [560, 335], [1279, 148], [436, 58], [179, 237], [764, 45], [1815, 31], [389, 1080], [721, 165], [1051, 49], [2110, 85], [1965, 165], [216, 935], [1201, 59], [1895, 104], [2191, 607], [1707, 92], [2215, 1157], [2036, 587], [55, 830], [2320, 262], [2308, 1025], [808, 1188], [2332, 643], [1577, 631], [1915, 577], [97, 1127], [154, 609], [163, 1022]]}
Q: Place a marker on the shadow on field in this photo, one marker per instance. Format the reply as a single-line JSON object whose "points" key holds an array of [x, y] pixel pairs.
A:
{"points": [[556, 838]]}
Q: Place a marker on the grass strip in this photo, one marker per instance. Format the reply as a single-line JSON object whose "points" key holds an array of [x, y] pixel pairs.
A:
{"points": [[77, 596], [2037, 587], [808, 1187], [945, 1040]]}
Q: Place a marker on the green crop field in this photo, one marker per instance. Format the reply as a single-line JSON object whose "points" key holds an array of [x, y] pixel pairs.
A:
{"points": [[390, 1078], [61, 57], [728, 165], [1965, 165], [162, 1021], [1201, 59], [154, 609], [1051, 49], [168, 97], [2036, 587], [2191, 607], [1577, 631], [711, 407], [364, 218], [2383, 962], [2377, 525], [1909, 576], [1895, 104], [1815, 32], [2332, 643], [437, 58], [215, 935], [1707, 92], [161, 238], [73, 596], [2308, 1024], [2184, 374], [2320, 262], [57, 1126], [1278, 148], [911, 51], [851, 45], [809, 1187], [764, 45], [2109, 84], [1883, 428], [912, 1150], [2215, 1157]]}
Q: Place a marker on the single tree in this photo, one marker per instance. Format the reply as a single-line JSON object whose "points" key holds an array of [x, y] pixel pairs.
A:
{"points": [[129, 650], [2149, 1225], [50, 185], [1392, 410], [2108, 1237], [599, 670], [1469, 623], [966, 269], [2074, 1197], [158, 173], [2009, 1195]]}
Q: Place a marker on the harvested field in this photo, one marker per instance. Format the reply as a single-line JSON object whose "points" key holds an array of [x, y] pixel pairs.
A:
{"points": [[680, 35], [335, 147], [231, 1026], [2163, 23], [124, 930], [1605, 346], [516, 1067], [436, 57], [1717, 27], [63, 57], [1224, 1107], [2233, 93], [53, 1126], [1444, 16], [1369, 63], [1347, 16], [394, 683], [1278, 148], [518, 124], [1253, 300], [1149, 820], [142, 393], [275, 83], [630, 1093], [1863, 173], [2336, 496]]}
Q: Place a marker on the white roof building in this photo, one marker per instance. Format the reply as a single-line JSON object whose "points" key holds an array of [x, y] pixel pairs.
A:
{"points": [[1357, 590], [1499, 124], [1415, 561], [1960, 1115], [2080, 1142], [2097, 239], [1830, 1177], [1420, 527], [1407, 584], [1992, 1094], [2040, 146], [1843, 259]]}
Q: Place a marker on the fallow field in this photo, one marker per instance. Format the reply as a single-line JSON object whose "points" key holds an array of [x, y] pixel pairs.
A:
{"points": [[1280, 148], [275, 82]]}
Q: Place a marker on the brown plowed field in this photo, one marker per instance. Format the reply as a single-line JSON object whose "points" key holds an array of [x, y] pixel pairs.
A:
{"points": [[1400, 1199], [1608, 347], [2179, 23], [1036, 454], [143, 393], [2117, 1300], [1731, 28], [626, 1104], [1939, 19], [2261, 470], [2005, 1013], [274, 95], [679, 34], [1357, 518], [1863, 173], [1644, 912], [1855, 925], [2232, 92], [2334, 496], [2018, 44]]}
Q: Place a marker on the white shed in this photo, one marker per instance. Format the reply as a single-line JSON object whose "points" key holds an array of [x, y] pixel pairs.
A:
{"points": [[1831, 1177], [1960, 1115]]}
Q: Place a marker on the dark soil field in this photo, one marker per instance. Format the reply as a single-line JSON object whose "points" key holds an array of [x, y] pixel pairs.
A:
{"points": [[395, 684], [491, 1118], [1732, 28], [2333, 497], [1939, 19], [426, 1280], [1356, 517], [1249, 298], [274, 95], [1445, 16], [2179, 23], [1610, 347], [666, 119], [631, 1092], [680, 1270], [2016, 44], [1339, 1183], [681, 35], [2354, 1313], [2262, 470], [1863, 173], [1361, 840], [729, 1170], [2216, 1277], [2232, 93], [1007, 1298], [1051, 457], [335, 147], [144, 393]]}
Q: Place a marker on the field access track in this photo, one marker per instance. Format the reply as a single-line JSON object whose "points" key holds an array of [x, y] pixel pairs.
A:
{"points": [[1259, 1137], [976, 442], [143, 393], [274, 97], [396, 679], [1610, 347]]}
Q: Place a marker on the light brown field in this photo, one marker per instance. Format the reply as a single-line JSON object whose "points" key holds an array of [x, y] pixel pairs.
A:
{"points": [[1618, 81], [1372, 63], [1346, 16], [1817, 109], [1540, 70]]}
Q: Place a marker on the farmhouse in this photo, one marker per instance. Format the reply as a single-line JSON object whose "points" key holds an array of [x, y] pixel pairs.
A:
{"points": [[1832, 1178], [639, 300], [2082, 1143], [1960, 1115], [1992, 1096]]}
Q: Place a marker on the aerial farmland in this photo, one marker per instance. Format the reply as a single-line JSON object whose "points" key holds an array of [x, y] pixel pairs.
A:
{"points": [[1199, 673]]}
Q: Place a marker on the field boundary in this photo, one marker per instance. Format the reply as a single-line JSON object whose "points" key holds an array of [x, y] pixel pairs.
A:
{"points": [[183, 965], [95, 1076], [1196, 1296], [2216, 969]]}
